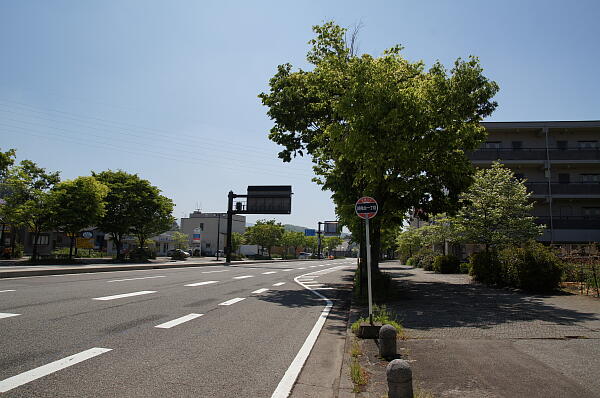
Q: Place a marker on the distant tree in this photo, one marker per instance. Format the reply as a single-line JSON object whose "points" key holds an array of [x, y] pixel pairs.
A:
{"points": [[182, 241], [237, 240], [152, 214], [77, 204], [311, 243], [28, 204], [265, 234], [497, 210], [330, 243], [7, 159], [409, 242], [292, 239]]}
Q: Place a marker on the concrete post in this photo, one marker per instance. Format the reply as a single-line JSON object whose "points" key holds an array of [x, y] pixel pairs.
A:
{"points": [[399, 378], [387, 341]]}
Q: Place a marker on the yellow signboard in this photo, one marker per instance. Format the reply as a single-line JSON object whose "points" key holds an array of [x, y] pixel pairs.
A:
{"points": [[83, 243]]}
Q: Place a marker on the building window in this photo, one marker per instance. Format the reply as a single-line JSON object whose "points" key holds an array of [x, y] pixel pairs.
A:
{"points": [[517, 145], [563, 178], [593, 212], [41, 240], [202, 227], [562, 145], [491, 145], [590, 178], [587, 144]]}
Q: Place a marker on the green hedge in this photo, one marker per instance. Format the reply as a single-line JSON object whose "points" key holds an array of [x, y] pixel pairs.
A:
{"points": [[533, 267], [446, 264]]}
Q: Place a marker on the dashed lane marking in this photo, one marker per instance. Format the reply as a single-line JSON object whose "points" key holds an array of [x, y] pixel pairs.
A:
{"points": [[287, 270], [233, 301], [212, 272], [178, 321], [135, 279], [269, 272], [7, 290], [279, 284], [34, 374], [201, 283], [243, 277], [259, 291], [118, 296], [7, 315]]}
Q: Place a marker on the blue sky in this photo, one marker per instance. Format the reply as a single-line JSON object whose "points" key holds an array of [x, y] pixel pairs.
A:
{"points": [[169, 89]]}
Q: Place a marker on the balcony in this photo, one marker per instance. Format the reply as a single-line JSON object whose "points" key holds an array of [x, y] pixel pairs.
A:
{"points": [[535, 155], [564, 190], [572, 222]]}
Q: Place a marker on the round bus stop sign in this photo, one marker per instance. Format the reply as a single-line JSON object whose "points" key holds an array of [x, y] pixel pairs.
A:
{"points": [[366, 207]]}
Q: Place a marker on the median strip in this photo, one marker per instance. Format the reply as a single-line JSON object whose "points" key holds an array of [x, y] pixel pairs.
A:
{"points": [[178, 321], [118, 296], [34, 374]]}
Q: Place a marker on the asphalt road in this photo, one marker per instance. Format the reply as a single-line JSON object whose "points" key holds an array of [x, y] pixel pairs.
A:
{"points": [[215, 331]]}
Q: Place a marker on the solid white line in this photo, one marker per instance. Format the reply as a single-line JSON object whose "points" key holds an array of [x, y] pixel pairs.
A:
{"points": [[34, 374], [243, 277], [212, 272], [7, 315], [178, 321], [233, 301], [259, 291], [118, 296], [324, 288], [269, 272], [135, 279], [291, 374], [279, 284], [9, 290], [201, 283]]}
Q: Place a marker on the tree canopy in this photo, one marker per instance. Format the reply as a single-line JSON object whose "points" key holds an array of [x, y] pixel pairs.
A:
{"points": [[380, 126], [265, 234]]}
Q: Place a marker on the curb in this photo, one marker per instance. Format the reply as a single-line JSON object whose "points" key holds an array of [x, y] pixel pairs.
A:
{"points": [[112, 268]]}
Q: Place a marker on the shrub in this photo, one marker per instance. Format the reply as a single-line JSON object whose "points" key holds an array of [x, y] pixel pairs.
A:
{"points": [[485, 267], [465, 268], [424, 259], [141, 254], [446, 264], [411, 262], [533, 267], [178, 255]]}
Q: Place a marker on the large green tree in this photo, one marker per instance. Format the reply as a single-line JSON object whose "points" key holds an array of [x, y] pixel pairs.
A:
{"points": [[331, 242], [497, 210], [28, 203], [380, 126], [7, 159], [77, 204], [292, 239], [265, 233]]}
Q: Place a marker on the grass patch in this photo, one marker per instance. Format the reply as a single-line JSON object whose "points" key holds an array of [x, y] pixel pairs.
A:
{"points": [[419, 393], [355, 351], [384, 316], [358, 375]]}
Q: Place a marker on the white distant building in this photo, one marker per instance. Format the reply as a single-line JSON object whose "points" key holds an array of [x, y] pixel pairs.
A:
{"points": [[212, 228]]}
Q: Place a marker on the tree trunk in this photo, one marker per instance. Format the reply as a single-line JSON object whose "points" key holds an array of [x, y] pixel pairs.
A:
{"points": [[2, 235], [13, 241], [375, 229], [71, 239], [36, 236]]}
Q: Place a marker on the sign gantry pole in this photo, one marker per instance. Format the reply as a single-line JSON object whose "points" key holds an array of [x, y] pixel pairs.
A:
{"points": [[366, 208]]}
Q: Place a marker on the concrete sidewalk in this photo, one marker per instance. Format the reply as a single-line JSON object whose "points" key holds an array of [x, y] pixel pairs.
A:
{"points": [[469, 340]]}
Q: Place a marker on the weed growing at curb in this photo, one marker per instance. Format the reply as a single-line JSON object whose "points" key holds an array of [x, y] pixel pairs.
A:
{"points": [[358, 375], [355, 351], [383, 316]]}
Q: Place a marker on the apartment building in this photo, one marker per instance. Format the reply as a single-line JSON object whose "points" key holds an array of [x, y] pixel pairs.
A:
{"points": [[212, 230], [560, 162]]}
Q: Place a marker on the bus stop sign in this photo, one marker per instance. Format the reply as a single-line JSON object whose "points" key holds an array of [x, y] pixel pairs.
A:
{"points": [[366, 207]]}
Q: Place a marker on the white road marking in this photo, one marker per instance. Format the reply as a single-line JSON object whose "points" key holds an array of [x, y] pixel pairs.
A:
{"points": [[313, 285], [178, 321], [302, 268], [118, 296], [259, 291], [45, 370], [322, 265], [233, 301], [323, 288], [7, 315], [243, 277], [135, 279], [8, 290], [287, 270], [279, 284], [269, 272], [212, 272], [313, 266], [201, 283]]}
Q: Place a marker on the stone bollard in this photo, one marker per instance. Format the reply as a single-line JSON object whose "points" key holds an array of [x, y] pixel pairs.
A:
{"points": [[387, 341], [399, 378]]}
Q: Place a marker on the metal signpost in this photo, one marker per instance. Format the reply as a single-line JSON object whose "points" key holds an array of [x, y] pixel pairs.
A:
{"points": [[366, 208]]}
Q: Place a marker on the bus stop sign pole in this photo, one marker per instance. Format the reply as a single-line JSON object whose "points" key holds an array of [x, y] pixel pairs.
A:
{"points": [[366, 208]]}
